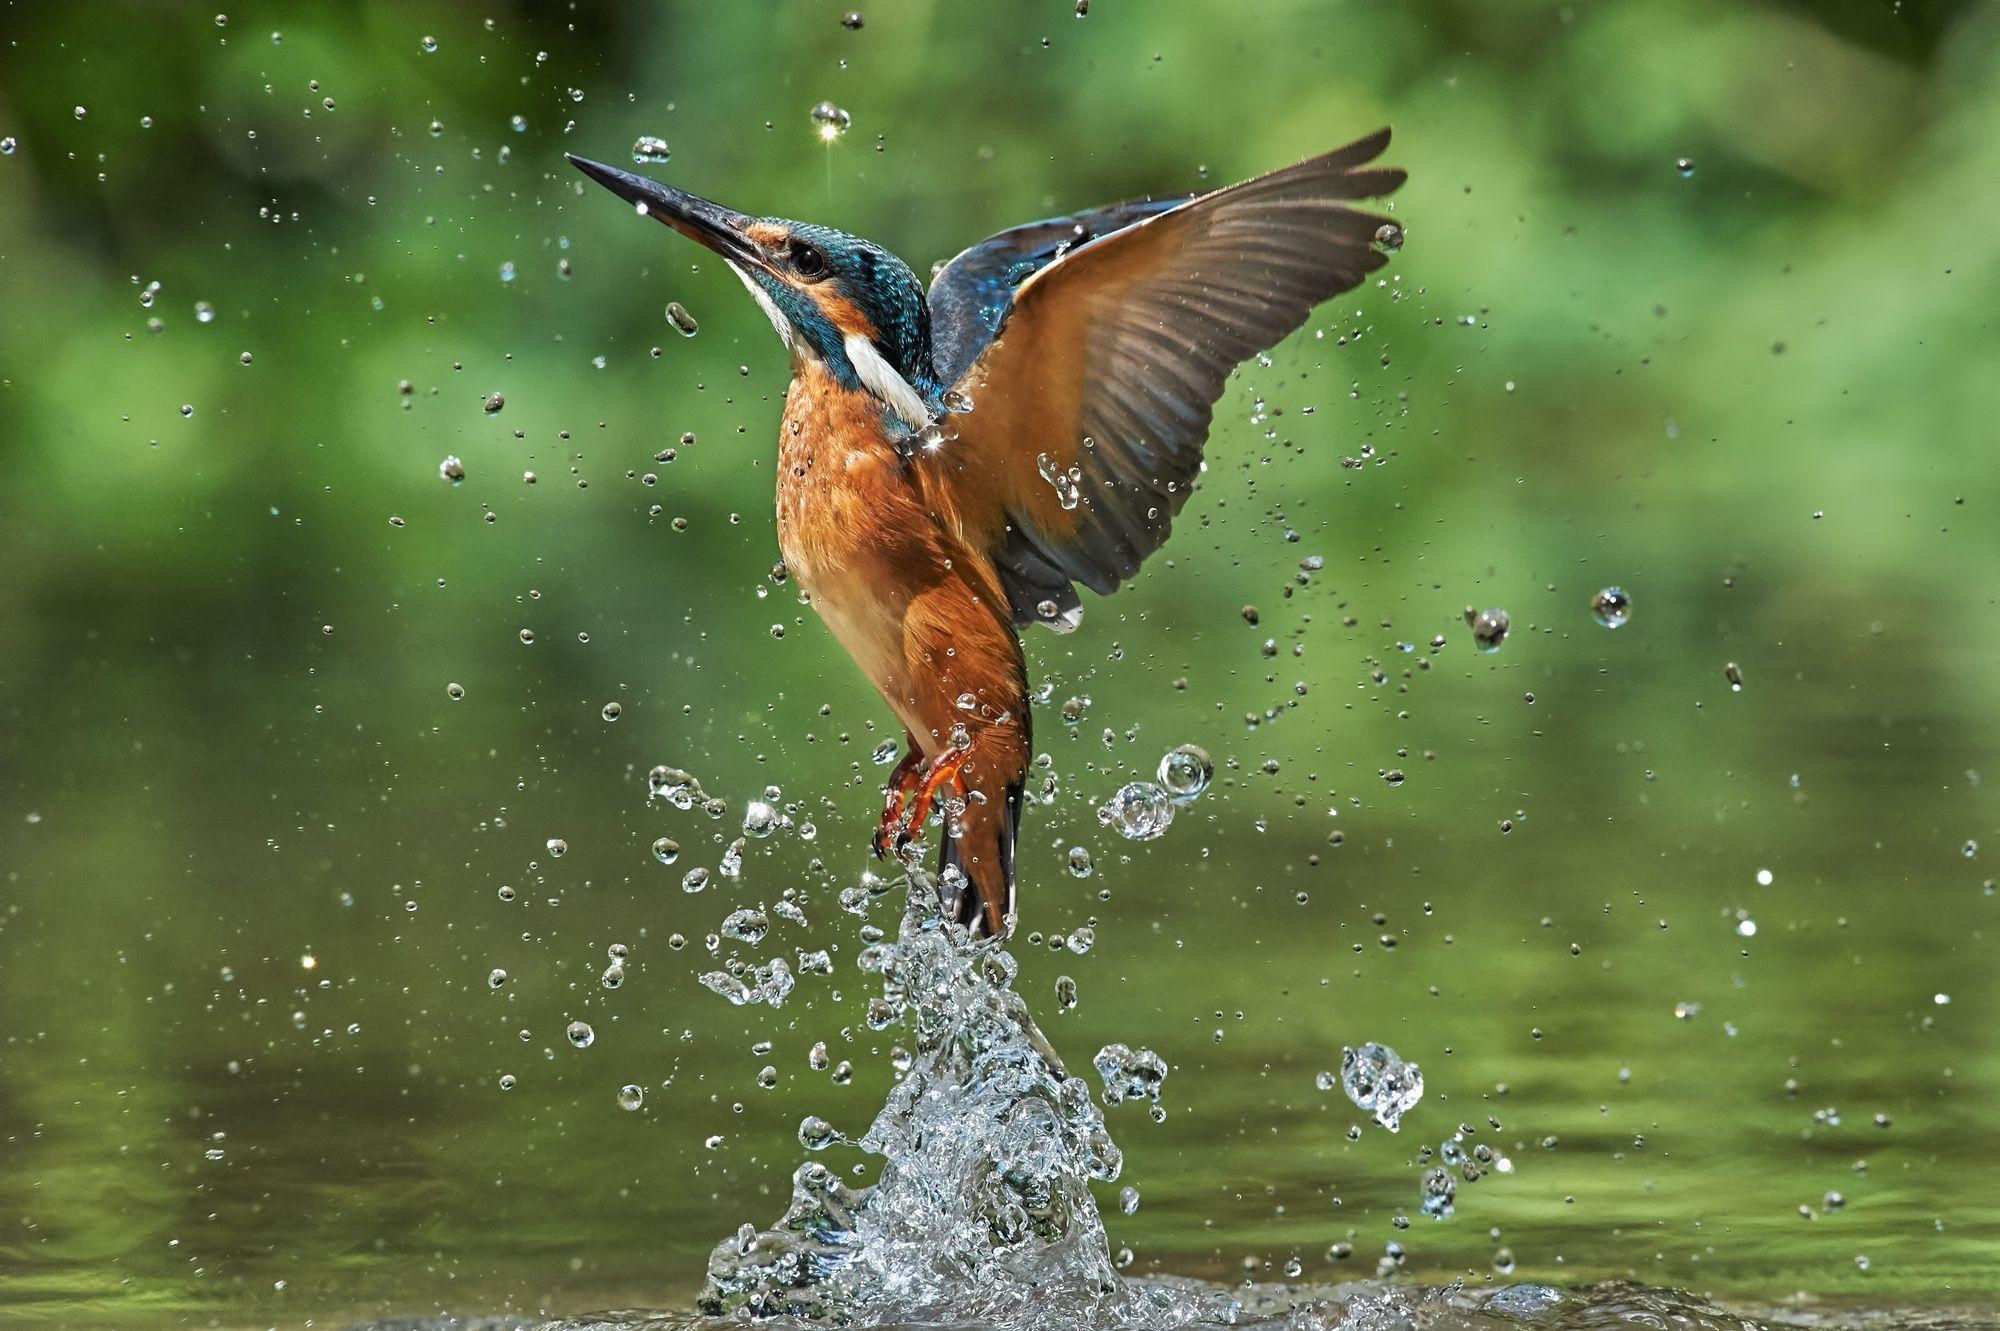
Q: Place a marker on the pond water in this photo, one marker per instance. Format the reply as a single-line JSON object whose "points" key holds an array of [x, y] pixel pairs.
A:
{"points": [[324, 800]]}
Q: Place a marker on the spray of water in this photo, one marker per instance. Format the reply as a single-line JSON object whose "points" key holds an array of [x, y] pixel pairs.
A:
{"points": [[982, 1210]]}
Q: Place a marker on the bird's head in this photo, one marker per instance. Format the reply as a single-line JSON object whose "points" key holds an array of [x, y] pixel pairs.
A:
{"points": [[833, 297]]}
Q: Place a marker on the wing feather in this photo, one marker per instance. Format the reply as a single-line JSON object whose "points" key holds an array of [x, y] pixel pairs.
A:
{"points": [[1108, 356]]}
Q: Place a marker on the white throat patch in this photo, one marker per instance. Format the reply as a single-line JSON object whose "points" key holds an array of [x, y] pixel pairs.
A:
{"points": [[770, 308], [881, 379]]}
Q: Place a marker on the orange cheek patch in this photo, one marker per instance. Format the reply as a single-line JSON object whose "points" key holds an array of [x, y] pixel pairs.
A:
{"points": [[768, 234], [842, 313]]}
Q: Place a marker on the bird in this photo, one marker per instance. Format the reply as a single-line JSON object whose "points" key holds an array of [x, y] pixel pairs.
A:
{"points": [[954, 462]]}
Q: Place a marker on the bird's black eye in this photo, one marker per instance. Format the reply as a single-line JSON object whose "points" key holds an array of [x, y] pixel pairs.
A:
{"points": [[807, 261]]}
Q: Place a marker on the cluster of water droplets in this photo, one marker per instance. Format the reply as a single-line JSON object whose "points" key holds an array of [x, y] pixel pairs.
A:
{"points": [[1143, 810], [1377, 1080]]}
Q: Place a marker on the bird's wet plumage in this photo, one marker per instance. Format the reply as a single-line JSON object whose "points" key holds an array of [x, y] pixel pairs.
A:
{"points": [[954, 463]]}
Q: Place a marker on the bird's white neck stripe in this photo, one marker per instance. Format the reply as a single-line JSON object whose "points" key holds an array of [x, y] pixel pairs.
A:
{"points": [[765, 303], [879, 377]]}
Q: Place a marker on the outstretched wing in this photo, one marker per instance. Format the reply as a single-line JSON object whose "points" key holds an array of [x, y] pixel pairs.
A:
{"points": [[970, 296], [1091, 403]]}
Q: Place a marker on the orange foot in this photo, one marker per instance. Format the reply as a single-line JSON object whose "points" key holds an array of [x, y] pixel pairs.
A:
{"points": [[896, 797], [914, 809]]}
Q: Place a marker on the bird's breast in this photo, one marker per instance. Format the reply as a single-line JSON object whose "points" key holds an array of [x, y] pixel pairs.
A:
{"points": [[840, 479]]}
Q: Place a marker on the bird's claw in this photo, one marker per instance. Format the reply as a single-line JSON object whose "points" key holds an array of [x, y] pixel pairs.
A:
{"points": [[908, 800], [890, 836]]}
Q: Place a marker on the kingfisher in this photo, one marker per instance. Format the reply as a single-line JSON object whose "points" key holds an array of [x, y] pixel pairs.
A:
{"points": [[953, 463]]}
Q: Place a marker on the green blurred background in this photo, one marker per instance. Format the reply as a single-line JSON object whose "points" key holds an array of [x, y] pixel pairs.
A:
{"points": [[253, 853]]}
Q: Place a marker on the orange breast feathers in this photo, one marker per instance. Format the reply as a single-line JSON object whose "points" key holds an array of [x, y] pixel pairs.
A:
{"points": [[877, 543], [838, 476]]}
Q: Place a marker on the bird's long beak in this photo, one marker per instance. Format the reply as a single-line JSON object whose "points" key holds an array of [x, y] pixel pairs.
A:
{"points": [[710, 224]]}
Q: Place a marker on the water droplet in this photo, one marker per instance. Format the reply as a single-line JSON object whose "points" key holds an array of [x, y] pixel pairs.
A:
{"points": [[507, 1082], [1130, 1074], [1734, 674], [816, 1134], [1439, 1192], [759, 819], [650, 148], [1128, 1200], [1140, 811], [1377, 1080], [631, 1098], [1080, 865], [527, 637], [852, 20], [1611, 607], [496, 978], [676, 787], [1065, 994], [746, 925], [81, 113], [581, 1035], [519, 124], [558, 847], [429, 43], [451, 469], [1388, 237], [830, 121], [1185, 771], [493, 403], [1489, 628], [7, 146], [666, 850], [885, 753], [187, 410], [683, 322], [694, 880], [611, 711], [1684, 165], [454, 691], [1746, 927]]}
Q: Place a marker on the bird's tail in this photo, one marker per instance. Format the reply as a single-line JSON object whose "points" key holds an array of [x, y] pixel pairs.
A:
{"points": [[985, 855]]}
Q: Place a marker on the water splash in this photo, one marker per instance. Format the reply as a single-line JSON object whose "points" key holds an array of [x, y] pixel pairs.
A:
{"points": [[983, 1209]]}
